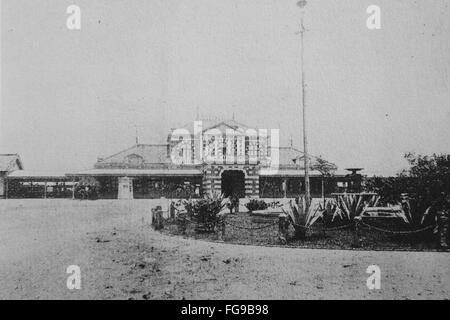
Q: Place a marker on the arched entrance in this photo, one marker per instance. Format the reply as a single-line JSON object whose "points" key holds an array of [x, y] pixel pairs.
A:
{"points": [[233, 182]]}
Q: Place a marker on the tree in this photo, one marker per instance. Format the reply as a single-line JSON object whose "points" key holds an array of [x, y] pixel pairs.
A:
{"points": [[324, 167], [430, 180], [426, 183]]}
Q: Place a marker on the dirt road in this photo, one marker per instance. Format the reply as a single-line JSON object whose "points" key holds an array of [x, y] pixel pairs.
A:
{"points": [[120, 257]]}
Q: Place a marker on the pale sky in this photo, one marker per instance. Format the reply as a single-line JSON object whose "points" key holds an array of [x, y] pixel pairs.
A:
{"points": [[68, 97]]}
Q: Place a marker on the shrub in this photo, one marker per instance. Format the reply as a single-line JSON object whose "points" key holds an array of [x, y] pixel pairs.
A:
{"points": [[426, 183], [255, 204], [87, 188], [205, 211]]}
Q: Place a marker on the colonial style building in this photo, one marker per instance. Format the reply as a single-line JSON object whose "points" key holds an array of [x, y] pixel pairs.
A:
{"points": [[226, 157]]}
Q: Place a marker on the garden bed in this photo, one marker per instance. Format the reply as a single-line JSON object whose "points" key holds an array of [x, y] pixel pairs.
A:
{"points": [[241, 229]]}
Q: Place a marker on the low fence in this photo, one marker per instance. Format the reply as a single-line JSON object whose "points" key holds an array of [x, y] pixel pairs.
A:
{"points": [[359, 227]]}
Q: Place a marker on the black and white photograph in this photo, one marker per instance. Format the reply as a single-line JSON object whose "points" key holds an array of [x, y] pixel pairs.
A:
{"points": [[224, 155]]}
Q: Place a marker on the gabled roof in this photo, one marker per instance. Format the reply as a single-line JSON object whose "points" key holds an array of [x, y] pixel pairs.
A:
{"points": [[228, 124], [290, 156], [10, 162], [150, 153], [221, 125]]}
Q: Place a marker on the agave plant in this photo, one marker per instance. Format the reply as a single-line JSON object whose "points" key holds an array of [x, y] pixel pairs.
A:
{"points": [[328, 211], [417, 217], [325, 210], [350, 206], [298, 216]]}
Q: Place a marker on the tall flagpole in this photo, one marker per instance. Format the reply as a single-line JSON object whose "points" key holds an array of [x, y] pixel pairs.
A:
{"points": [[302, 4]]}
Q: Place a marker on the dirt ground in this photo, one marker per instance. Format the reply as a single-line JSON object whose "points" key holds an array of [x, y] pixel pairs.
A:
{"points": [[122, 258]]}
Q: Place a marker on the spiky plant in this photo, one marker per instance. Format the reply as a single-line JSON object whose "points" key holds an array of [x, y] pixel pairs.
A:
{"points": [[324, 211], [350, 206], [298, 216]]}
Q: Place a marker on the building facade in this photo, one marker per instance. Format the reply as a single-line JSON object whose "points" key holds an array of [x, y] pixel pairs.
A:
{"points": [[8, 163], [226, 157]]}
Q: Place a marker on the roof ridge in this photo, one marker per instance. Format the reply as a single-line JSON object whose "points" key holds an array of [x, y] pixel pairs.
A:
{"points": [[117, 153]]}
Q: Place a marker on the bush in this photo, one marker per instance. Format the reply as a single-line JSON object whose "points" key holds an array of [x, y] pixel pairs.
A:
{"points": [[87, 188], [205, 212], [255, 204], [426, 183]]}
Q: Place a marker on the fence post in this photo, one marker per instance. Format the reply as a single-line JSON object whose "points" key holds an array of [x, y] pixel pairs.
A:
{"points": [[221, 228], [357, 234], [157, 218], [443, 229], [283, 225], [181, 222], [172, 210]]}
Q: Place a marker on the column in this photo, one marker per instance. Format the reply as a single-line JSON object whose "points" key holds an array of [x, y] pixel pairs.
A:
{"points": [[252, 186]]}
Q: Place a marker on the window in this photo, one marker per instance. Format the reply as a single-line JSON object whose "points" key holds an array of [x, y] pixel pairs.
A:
{"points": [[342, 184], [134, 160]]}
